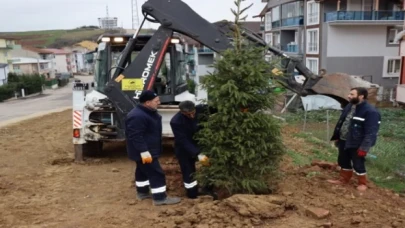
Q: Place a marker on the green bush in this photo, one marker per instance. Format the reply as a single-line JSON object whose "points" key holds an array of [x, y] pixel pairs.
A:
{"points": [[6, 92], [243, 143], [191, 86], [31, 83]]}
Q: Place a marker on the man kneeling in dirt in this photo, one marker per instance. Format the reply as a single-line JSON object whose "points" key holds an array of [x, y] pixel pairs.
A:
{"points": [[144, 146], [184, 126], [354, 135]]}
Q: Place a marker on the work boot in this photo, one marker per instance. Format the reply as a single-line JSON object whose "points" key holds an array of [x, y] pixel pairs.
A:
{"points": [[345, 176], [362, 184], [167, 201], [142, 196]]}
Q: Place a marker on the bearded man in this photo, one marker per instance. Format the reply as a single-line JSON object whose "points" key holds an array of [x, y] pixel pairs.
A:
{"points": [[354, 135]]}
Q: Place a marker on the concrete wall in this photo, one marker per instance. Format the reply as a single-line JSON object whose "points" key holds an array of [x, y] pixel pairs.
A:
{"points": [[28, 68], [61, 64], [367, 66], [354, 5], [2, 43], [324, 8], [24, 53], [3, 56], [206, 59], [358, 41], [3, 74]]}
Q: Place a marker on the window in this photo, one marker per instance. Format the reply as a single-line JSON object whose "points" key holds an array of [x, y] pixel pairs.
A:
{"points": [[16, 67], [275, 14], [312, 13], [267, 21], [313, 41], [392, 32], [269, 39], [292, 9], [392, 66], [312, 64], [276, 39]]}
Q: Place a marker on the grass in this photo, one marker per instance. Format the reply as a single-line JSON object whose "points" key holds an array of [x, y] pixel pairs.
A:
{"points": [[52, 38], [388, 150]]}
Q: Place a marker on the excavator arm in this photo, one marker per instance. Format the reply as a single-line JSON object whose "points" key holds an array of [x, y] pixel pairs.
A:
{"points": [[176, 16]]}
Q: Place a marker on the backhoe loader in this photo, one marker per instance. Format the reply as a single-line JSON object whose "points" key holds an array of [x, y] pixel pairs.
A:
{"points": [[157, 62]]}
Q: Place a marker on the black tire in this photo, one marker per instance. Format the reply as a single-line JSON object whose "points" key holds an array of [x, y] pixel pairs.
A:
{"points": [[93, 149]]}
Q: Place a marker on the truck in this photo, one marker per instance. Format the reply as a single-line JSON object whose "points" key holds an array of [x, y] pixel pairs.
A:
{"points": [[128, 64]]}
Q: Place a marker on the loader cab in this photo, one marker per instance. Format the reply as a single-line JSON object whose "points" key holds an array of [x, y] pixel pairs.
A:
{"points": [[112, 59]]}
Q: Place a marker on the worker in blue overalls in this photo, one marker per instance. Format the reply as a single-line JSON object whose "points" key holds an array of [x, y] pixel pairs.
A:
{"points": [[184, 126], [144, 145]]}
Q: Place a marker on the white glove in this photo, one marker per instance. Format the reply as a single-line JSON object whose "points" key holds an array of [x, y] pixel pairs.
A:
{"points": [[146, 157]]}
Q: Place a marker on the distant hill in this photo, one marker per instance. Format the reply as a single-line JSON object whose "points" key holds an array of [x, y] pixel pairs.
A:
{"points": [[58, 38]]}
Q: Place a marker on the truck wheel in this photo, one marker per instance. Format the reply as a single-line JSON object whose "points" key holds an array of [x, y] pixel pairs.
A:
{"points": [[79, 152], [93, 149]]}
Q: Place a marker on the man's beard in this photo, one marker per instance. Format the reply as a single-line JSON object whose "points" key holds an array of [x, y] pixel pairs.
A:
{"points": [[355, 100]]}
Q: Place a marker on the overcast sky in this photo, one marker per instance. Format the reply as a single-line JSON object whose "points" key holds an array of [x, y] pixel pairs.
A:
{"points": [[23, 15]]}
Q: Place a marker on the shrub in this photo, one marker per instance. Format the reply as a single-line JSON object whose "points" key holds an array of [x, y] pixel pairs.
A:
{"points": [[243, 143], [6, 92], [31, 83]]}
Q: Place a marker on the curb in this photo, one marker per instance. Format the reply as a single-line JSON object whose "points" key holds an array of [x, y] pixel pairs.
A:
{"points": [[32, 116]]}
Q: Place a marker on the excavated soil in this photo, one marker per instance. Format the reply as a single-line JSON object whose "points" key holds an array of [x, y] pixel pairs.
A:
{"points": [[41, 186]]}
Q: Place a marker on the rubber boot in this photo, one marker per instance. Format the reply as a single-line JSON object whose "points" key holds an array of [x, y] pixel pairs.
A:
{"points": [[345, 176], [167, 201], [362, 184], [142, 196]]}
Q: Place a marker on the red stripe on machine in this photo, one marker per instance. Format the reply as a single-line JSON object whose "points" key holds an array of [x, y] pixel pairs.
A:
{"points": [[77, 119]]}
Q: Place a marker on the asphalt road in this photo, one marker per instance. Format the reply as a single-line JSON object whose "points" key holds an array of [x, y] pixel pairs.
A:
{"points": [[16, 110]]}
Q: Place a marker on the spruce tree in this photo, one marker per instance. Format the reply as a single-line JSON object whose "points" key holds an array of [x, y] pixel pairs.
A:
{"points": [[243, 143]]}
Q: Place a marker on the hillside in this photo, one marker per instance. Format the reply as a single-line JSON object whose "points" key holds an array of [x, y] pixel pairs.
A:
{"points": [[56, 38]]}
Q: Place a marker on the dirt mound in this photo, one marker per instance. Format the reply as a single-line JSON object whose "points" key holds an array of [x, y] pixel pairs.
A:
{"points": [[236, 211], [304, 199]]}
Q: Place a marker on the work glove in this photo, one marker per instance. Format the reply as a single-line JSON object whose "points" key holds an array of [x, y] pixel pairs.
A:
{"points": [[146, 157], [361, 153], [203, 159]]}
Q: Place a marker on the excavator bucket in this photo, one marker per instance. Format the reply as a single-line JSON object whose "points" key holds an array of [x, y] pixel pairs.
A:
{"points": [[338, 85]]}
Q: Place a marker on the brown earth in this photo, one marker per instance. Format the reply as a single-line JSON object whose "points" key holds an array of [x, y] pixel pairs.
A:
{"points": [[41, 186]]}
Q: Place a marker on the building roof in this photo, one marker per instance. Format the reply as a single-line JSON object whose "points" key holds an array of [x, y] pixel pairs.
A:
{"points": [[3, 65], [5, 37], [37, 50], [55, 51], [89, 45], [25, 60], [253, 26]]}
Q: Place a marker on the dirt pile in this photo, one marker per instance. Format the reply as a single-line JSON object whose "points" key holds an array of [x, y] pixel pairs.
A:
{"points": [[236, 211]]}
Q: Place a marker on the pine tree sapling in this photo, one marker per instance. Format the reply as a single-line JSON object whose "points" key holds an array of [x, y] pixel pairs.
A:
{"points": [[243, 143]]}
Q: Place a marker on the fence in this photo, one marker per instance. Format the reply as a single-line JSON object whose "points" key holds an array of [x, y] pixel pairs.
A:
{"points": [[386, 157]]}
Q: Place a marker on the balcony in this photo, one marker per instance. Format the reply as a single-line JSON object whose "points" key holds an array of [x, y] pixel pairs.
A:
{"points": [[291, 48], [380, 17], [205, 50], [276, 24], [293, 21], [262, 26]]}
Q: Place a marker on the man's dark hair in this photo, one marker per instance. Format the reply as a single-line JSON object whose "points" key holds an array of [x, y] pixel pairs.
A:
{"points": [[187, 106], [361, 91]]}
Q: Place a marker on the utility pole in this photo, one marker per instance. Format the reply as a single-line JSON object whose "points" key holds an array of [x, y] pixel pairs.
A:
{"points": [[135, 17]]}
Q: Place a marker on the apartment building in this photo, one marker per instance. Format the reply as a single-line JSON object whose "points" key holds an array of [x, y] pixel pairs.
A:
{"points": [[350, 36]]}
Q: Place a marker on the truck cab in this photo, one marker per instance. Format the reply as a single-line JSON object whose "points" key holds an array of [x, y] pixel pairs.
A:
{"points": [[95, 119]]}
